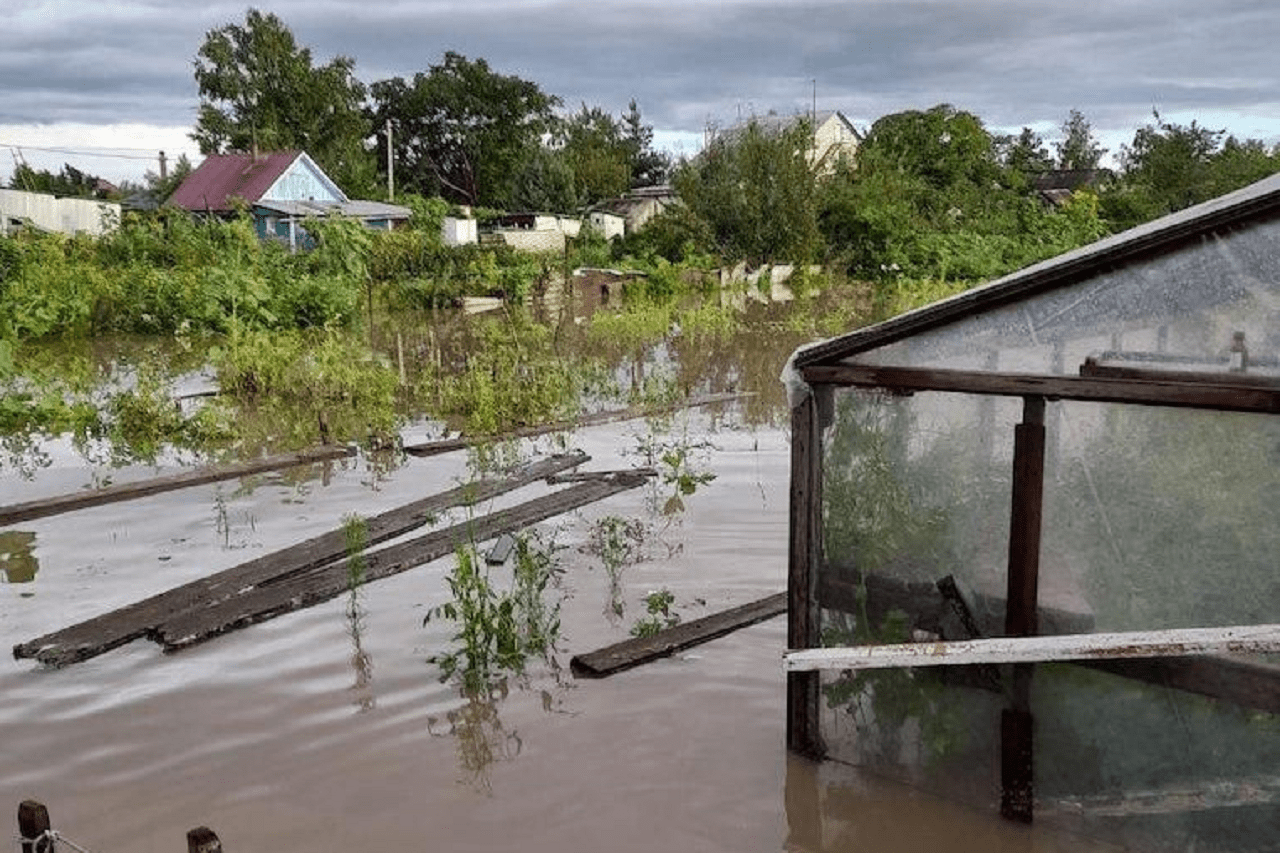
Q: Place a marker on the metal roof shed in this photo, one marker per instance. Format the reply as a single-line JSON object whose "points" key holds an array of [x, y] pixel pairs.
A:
{"points": [[1086, 447]]}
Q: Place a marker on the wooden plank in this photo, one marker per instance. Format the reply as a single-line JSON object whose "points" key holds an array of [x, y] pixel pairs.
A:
{"points": [[44, 507], [431, 448], [110, 630], [321, 584], [641, 650], [1170, 799], [1242, 682], [1248, 639], [803, 561], [1092, 367], [1087, 389]]}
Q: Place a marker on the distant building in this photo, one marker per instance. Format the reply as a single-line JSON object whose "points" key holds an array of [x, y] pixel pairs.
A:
{"points": [[19, 208], [1056, 185], [532, 232], [834, 136], [629, 213], [280, 189]]}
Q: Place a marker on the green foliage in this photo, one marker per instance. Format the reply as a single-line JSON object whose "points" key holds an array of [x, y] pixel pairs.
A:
{"points": [[69, 182], [1169, 166], [660, 614], [499, 629], [462, 130], [260, 91], [1078, 149], [757, 192]]}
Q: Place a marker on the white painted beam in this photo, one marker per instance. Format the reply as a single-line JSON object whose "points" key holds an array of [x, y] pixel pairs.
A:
{"points": [[1108, 646]]}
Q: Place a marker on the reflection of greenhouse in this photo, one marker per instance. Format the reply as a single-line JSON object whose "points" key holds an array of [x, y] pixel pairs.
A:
{"points": [[1133, 492]]}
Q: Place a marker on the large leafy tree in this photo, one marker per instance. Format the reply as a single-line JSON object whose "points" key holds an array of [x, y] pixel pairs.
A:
{"points": [[595, 149], [463, 131], [757, 193], [1169, 166], [260, 90]]}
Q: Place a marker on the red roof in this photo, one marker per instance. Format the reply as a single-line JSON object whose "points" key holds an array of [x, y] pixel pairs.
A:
{"points": [[222, 177]]}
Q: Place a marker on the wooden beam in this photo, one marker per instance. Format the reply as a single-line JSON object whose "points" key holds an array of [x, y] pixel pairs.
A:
{"points": [[804, 560], [1172, 642], [1225, 397], [110, 630], [298, 591], [44, 507], [448, 445], [641, 650]]}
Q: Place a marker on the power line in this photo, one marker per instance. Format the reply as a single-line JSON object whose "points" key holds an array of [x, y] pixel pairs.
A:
{"points": [[83, 152]]}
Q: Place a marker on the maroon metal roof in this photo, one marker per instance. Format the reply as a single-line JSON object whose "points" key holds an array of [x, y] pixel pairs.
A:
{"points": [[222, 177]]}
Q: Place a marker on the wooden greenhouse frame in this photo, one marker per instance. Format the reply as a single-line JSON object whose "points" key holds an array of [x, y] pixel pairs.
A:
{"points": [[1194, 662]]}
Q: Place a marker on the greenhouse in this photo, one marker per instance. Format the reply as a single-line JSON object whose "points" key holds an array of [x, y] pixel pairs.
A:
{"points": [[1035, 532]]}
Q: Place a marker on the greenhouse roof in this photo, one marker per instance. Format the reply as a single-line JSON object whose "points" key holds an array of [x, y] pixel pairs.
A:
{"points": [[1256, 203]]}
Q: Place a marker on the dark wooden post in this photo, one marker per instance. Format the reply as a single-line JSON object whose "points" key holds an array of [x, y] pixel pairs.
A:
{"points": [[202, 839], [33, 823], [1016, 743], [803, 562]]}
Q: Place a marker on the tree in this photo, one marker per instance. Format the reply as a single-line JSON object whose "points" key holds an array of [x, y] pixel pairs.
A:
{"points": [[595, 149], [1078, 149], [648, 167], [70, 182], [463, 131], [164, 187], [1025, 153], [757, 193], [259, 90]]}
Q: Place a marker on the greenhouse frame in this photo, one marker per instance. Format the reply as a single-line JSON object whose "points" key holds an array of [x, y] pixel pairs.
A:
{"points": [[1035, 534]]}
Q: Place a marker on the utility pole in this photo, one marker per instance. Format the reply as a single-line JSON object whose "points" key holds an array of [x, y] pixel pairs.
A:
{"points": [[164, 167], [391, 180]]}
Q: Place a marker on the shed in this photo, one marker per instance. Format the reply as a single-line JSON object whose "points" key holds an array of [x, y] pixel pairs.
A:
{"points": [[1034, 531]]}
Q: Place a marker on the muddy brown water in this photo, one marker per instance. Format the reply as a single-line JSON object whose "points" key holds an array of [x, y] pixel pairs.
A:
{"points": [[309, 733]]}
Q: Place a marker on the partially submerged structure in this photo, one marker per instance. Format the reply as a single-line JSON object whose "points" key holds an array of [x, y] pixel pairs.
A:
{"points": [[280, 189], [1087, 448]]}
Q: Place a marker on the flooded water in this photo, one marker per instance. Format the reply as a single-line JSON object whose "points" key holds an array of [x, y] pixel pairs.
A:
{"points": [[323, 731]]}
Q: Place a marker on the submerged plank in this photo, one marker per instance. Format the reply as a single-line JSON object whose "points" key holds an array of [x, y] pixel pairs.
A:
{"points": [[431, 448], [110, 630], [1173, 799], [29, 510], [1068, 647], [640, 650], [326, 582]]}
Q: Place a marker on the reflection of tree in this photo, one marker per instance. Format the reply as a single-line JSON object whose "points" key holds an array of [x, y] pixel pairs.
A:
{"points": [[17, 562], [479, 735]]}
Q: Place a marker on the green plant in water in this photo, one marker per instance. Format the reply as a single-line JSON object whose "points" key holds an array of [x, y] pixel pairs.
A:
{"points": [[617, 542], [660, 614], [499, 629]]}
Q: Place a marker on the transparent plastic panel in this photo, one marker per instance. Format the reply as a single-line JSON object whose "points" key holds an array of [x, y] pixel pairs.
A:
{"points": [[1162, 518], [1180, 310], [915, 490], [1151, 767]]}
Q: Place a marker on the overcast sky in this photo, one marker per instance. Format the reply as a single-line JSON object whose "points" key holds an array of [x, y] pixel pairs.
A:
{"points": [[117, 74]]}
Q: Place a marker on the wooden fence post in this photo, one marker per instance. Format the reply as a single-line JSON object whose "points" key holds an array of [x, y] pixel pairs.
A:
{"points": [[202, 839], [33, 823]]}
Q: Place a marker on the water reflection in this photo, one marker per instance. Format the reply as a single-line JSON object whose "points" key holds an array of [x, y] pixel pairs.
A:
{"points": [[18, 563], [479, 735]]}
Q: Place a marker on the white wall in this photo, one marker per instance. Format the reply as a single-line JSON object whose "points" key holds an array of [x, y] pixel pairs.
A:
{"points": [[68, 215]]}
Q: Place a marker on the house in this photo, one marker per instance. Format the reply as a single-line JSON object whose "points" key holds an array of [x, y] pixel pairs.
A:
{"points": [[1090, 448], [834, 136], [280, 190], [19, 208], [1056, 185], [630, 213]]}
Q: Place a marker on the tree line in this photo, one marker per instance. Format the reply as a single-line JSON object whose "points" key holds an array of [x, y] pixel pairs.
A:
{"points": [[929, 193]]}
